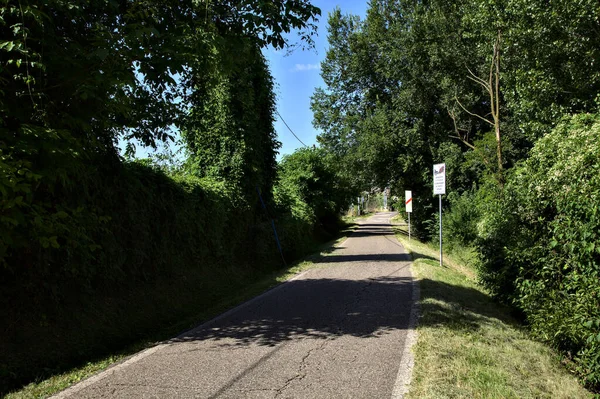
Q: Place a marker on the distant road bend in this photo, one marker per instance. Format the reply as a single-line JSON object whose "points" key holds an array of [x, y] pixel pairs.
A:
{"points": [[340, 330]]}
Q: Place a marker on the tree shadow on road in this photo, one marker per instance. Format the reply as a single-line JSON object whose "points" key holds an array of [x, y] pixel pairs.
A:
{"points": [[314, 308], [365, 258], [331, 308]]}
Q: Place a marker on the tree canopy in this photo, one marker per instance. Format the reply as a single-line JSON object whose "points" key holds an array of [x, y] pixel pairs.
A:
{"points": [[107, 69], [403, 87]]}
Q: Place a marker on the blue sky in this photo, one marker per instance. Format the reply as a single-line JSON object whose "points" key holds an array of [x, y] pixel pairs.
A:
{"points": [[297, 75]]}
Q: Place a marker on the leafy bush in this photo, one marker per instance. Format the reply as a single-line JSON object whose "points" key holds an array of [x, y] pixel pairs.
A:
{"points": [[460, 223], [308, 183], [309, 197], [540, 241]]}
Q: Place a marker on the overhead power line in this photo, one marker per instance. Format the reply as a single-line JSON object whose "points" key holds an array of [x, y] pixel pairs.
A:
{"points": [[286, 125]]}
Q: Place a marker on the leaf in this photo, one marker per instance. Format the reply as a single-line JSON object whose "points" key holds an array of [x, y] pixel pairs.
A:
{"points": [[101, 53], [54, 242], [7, 45]]}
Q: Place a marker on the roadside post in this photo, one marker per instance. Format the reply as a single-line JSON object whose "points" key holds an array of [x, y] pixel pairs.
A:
{"points": [[408, 203], [385, 207], [439, 188]]}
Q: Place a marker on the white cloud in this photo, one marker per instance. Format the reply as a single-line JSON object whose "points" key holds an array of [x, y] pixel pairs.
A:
{"points": [[305, 67]]}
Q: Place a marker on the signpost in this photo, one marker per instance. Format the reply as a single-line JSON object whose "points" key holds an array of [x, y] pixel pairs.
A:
{"points": [[439, 188], [408, 203]]}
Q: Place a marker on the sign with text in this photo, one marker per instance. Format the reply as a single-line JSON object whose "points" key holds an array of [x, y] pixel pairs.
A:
{"points": [[439, 179], [408, 201]]}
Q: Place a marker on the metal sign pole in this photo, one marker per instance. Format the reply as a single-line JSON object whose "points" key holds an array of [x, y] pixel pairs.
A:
{"points": [[408, 203], [441, 263], [439, 188]]}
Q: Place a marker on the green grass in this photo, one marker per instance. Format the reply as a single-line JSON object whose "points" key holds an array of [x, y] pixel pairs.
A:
{"points": [[226, 297], [469, 346], [354, 218]]}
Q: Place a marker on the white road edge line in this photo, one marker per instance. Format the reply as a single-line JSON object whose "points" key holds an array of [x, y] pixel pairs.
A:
{"points": [[407, 361], [72, 390]]}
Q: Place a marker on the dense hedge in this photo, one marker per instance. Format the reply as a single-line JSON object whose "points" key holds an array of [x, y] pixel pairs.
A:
{"points": [[539, 241], [121, 250]]}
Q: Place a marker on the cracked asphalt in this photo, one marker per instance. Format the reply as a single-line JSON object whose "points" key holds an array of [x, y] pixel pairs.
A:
{"points": [[336, 331]]}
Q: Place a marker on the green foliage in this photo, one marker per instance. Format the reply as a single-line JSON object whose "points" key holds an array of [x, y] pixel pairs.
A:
{"points": [[310, 195], [542, 241], [460, 225], [133, 72], [311, 189], [41, 176], [129, 64], [559, 290], [394, 81], [133, 226], [497, 229], [403, 91], [232, 137], [77, 77]]}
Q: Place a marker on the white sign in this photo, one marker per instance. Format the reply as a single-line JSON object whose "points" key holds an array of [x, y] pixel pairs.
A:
{"points": [[439, 178], [408, 201]]}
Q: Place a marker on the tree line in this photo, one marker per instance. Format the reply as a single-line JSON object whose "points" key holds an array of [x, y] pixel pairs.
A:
{"points": [[505, 92]]}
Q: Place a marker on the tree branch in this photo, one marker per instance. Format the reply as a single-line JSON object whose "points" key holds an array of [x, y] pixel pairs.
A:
{"points": [[471, 146], [477, 79], [472, 114]]}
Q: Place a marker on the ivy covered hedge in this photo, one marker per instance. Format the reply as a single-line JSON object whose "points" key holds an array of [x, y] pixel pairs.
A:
{"points": [[115, 251]]}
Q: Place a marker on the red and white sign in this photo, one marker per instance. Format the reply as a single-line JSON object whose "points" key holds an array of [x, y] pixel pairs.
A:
{"points": [[408, 201]]}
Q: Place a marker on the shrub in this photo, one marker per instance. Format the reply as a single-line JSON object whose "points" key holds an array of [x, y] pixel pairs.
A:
{"points": [[460, 223], [309, 186], [541, 238]]}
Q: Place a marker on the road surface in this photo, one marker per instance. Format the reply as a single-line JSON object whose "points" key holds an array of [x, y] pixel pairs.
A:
{"points": [[336, 331]]}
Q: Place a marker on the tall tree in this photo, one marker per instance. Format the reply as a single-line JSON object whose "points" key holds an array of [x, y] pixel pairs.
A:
{"points": [[109, 69], [231, 135]]}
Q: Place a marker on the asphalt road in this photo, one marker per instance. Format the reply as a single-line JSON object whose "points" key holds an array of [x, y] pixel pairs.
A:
{"points": [[336, 331]]}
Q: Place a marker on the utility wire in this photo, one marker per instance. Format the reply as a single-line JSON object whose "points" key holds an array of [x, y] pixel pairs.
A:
{"points": [[286, 125]]}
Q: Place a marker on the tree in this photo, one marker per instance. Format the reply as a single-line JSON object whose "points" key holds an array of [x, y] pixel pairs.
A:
{"points": [[492, 88], [77, 76], [231, 136], [129, 63], [309, 184]]}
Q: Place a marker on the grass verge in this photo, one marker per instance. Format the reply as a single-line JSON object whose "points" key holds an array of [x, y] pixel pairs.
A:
{"points": [[227, 299], [469, 346]]}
